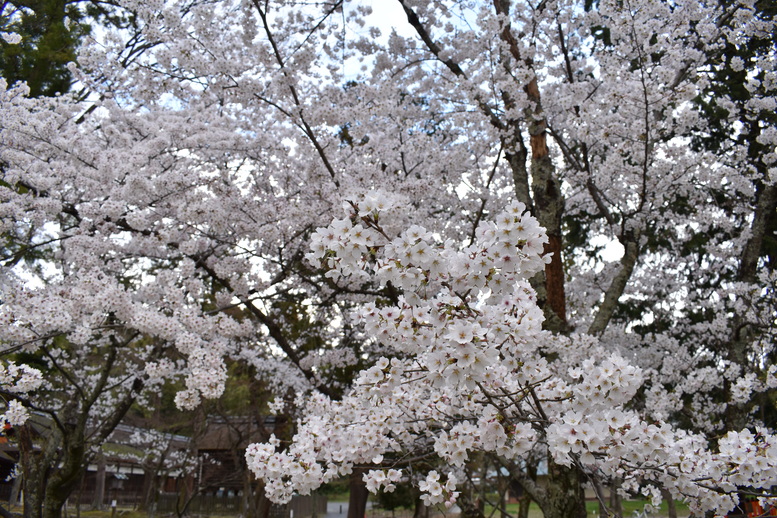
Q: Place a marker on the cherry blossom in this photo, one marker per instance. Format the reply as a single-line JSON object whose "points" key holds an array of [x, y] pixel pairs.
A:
{"points": [[518, 229]]}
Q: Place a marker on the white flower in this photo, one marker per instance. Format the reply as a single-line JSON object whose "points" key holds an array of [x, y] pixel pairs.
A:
{"points": [[15, 414], [11, 38], [460, 331]]}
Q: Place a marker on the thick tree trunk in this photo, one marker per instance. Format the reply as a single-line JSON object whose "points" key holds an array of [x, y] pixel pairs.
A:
{"points": [[52, 470], [55, 497], [357, 501], [549, 206], [471, 507], [33, 493], [53, 503], [70, 469], [565, 497]]}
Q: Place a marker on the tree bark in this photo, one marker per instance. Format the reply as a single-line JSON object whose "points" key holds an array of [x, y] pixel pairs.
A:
{"points": [[17, 485], [671, 511], [565, 497], [99, 487], [471, 506], [524, 500], [616, 503], [33, 482], [549, 206], [357, 500]]}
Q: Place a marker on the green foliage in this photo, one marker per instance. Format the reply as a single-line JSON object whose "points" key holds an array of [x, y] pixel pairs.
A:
{"points": [[51, 31]]}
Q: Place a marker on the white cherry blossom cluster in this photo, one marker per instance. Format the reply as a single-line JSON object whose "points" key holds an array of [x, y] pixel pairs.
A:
{"points": [[510, 249], [465, 371], [377, 479], [450, 349], [433, 492], [283, 472], [441, 286], [206, 377], [17, 379], [15, 413]]}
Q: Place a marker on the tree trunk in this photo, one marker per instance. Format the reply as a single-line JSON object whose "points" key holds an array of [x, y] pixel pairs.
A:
{"points": [[357, 500], [616, 503], [33, 481], [671, 511], [54, 500], [565, 497], [99, 486], [70, 469], [255, 502], [520, 493], [33, 493], [17, 486], [150, 489], [523, 506], [420, 511], [471, 508]]}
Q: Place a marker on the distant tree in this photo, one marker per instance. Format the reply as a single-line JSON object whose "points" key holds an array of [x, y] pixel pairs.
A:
{"points": [[50, 32]]}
